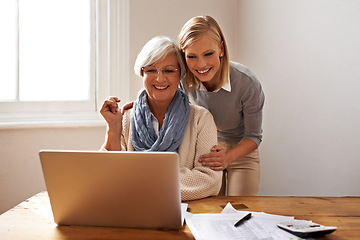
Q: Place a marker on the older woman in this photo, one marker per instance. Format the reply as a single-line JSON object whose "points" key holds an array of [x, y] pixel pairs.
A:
{"points": [[163, 120]]}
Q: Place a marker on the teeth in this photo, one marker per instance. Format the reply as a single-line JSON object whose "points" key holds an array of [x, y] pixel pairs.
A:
{"points": [[160, 87], [204, 71]]}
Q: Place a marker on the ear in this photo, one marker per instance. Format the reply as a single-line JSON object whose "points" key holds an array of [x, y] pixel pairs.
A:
{"points": [[222, 52]]}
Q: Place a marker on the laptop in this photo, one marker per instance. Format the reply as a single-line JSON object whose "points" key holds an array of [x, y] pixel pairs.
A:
{"points": [[113, 189]]}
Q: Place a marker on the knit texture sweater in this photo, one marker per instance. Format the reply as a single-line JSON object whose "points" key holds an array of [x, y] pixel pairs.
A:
{"points": [[196, 181]]}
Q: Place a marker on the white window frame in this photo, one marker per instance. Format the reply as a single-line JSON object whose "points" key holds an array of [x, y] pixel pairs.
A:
{"points": [[110, 79]]}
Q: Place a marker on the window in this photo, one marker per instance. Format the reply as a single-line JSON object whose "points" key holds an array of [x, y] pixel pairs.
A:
{"points": [[61, 59]]}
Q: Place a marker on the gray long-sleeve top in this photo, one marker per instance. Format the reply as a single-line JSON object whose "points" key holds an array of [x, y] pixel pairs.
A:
{"points": [[237, 108]]}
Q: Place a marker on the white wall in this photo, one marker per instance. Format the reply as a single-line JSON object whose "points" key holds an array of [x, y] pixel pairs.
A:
{"points": [[306, 54]]}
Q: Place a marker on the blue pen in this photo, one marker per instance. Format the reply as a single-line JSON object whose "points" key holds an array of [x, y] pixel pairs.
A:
{"points": [[247, 217]]}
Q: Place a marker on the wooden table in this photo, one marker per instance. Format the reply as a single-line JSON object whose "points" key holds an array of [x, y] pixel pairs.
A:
{"points": [[32, 218]]}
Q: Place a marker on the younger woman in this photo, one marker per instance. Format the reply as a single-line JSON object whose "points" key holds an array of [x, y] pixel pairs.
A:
{"points": [[234, 97]]}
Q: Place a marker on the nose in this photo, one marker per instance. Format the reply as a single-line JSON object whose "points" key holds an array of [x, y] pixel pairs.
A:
{"points": [[160, 76], [201, 62]]}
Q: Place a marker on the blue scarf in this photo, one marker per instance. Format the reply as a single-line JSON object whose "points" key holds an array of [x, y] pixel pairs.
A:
{"points": [[172, 131]]}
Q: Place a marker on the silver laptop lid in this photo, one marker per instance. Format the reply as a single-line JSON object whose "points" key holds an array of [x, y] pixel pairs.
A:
{"points": [[113, 189]]}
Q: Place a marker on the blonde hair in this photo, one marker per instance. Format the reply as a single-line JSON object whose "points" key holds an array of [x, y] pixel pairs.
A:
{"points": [[194, 29], [156, 49]]}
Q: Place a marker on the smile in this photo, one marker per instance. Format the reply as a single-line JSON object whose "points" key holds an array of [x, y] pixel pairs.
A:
{"points": [[204, 71], [161, 87]]}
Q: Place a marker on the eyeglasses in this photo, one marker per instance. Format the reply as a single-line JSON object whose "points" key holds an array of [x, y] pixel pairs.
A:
{"points": [[153, 71]]}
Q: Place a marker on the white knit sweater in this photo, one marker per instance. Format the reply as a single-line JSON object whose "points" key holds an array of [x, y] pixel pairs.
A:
{"points": [[196, 181]]}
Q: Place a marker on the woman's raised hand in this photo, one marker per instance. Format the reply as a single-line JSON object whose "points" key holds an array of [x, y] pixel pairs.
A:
{"points": [[110, 111]]}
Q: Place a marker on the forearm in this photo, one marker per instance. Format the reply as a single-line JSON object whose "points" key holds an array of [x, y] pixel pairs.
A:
{"points": [[243, 148], [113, 139], [199, 182]]}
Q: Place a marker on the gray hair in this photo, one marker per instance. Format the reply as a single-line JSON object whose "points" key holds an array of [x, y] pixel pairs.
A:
{"points": [[156, 49]]}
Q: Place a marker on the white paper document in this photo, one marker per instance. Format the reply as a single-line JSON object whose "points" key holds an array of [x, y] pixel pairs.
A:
{"points": [[208, 226]]}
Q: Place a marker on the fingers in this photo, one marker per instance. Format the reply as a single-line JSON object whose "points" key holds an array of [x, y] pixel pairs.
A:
{"points": [[211, 161], [109, 110], [216, 148], [113, 104], [110, 105], [216, 151], [217, 168], [210, 157], [216, 159], [127, 106], [113, 98]]}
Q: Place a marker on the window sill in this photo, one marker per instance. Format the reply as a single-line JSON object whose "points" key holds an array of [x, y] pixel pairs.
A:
{"points": [[58, 120]]}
